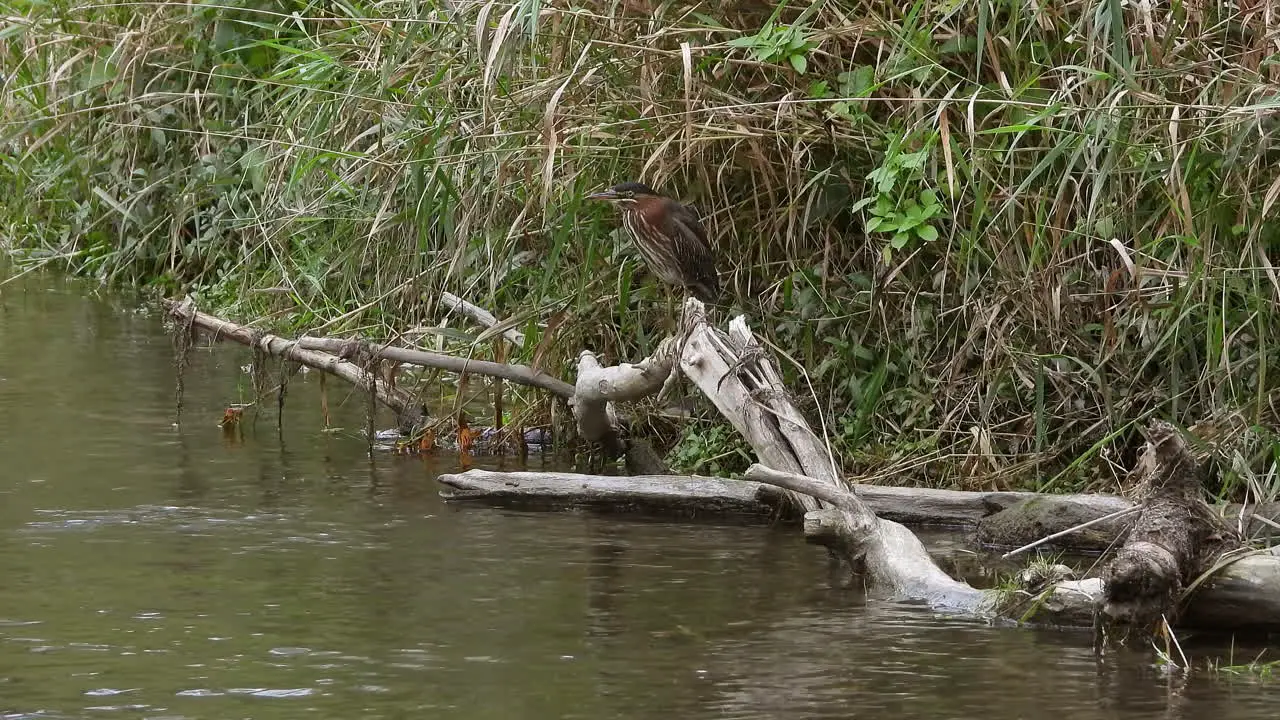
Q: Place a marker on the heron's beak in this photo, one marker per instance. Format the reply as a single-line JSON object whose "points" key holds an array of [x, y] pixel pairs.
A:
{"points": [[603, 195]]}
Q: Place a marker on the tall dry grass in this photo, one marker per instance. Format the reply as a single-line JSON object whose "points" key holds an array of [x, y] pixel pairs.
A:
{"points": [[998, 235]]}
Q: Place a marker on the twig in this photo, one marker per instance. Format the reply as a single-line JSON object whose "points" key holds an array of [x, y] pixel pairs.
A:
{"points": [[1081, 526], [481, 316], [334, 321]]}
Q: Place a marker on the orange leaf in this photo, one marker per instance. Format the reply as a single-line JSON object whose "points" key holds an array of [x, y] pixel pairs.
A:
{"points": [[230, 418], [466, 436]]}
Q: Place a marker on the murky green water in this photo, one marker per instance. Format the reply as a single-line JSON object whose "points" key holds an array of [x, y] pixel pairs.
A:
{"points": [[148, 570]]}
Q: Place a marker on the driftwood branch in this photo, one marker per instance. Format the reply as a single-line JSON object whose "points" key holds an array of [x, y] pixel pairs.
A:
{"points": [[738, 377], [519, 374], [666, 494], [1242, 593], [894, 561], [481, 316], [599, 387], [334, 356], [400, 401]]}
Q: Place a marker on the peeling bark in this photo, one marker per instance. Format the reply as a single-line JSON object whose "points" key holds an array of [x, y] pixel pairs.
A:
{"points": [[1174, 539]]}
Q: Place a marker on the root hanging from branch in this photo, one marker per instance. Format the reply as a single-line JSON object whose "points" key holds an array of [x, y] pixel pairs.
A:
{"points": [[356, 361], [408, 412]]}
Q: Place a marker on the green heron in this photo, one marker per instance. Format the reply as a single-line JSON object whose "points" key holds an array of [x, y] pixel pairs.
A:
{"points": [[669, 236]]}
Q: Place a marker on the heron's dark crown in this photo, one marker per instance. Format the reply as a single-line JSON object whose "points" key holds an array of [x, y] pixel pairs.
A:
{"points": [[633, 188]]}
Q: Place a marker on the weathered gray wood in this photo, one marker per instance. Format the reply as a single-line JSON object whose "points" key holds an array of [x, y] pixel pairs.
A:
{"points": [[481, 316], [1244, 595], [929, 506], [1041, 516], [708, 362], [597, 388], [400, 401], [664, 494], [947, 508], [520, 374], [894, 561]]}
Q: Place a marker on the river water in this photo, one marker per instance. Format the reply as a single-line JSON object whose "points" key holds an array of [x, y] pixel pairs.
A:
{"points": [[153, 570]]}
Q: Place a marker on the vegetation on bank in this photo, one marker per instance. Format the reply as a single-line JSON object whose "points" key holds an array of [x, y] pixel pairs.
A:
{"points": [[996, 236]]}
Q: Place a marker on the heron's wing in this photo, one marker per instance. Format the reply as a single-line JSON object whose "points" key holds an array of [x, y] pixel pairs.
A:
{"points": [[692, 247], [682, 223]]}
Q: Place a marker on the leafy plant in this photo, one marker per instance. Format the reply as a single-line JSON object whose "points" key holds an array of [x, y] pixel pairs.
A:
{"points": [[346, 167], [778, 43], [716, 449], [898, 205]]}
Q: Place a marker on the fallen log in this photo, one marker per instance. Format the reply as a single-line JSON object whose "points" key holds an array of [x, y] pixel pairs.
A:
{"points": [[733, 371], [1242, 595], [999, 519], [738, 377], [668, 495]]}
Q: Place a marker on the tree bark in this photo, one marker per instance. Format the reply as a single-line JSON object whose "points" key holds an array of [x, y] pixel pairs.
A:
{"points": [[1175, 538]]}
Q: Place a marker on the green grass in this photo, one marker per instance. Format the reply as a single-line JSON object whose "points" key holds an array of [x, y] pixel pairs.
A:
{"points": [[997, 235]]}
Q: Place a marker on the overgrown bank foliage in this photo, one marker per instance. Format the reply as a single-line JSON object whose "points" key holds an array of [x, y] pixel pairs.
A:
{"points": [[997, 234]]}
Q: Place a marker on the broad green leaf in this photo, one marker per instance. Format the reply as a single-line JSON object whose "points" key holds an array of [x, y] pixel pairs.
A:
{"points": [[913, 161], [862, 203]]}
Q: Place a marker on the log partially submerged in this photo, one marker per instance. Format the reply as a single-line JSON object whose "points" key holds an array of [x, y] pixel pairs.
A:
{"points": [[733, 372], [675, 495], [1175, 539], [999, 519], [1163, 570]]}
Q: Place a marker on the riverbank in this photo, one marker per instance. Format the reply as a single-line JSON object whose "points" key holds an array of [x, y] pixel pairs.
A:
{"points": [[1074, 207]]}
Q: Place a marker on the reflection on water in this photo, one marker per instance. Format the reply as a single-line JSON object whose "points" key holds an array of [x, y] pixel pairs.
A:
{"points": [[150, 570]]}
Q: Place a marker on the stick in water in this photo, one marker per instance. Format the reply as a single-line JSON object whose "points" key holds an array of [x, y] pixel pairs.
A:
{"points": [[1081, 526]]}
